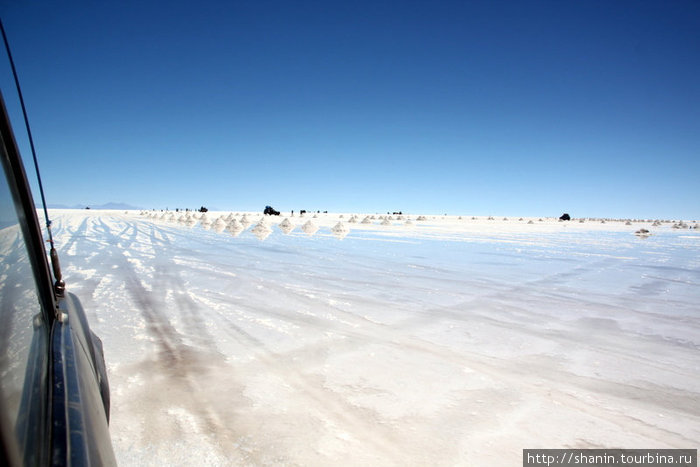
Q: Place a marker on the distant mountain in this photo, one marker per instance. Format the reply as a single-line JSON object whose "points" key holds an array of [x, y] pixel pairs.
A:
{"points": [[114, 206]]}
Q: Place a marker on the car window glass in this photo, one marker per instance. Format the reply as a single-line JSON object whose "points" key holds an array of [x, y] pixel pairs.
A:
{"points": [[19, 308]]}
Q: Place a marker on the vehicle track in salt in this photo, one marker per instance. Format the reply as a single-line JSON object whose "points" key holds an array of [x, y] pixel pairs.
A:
{"points": [[177, 367], [377, 333], [186, 367], [328, 405]]}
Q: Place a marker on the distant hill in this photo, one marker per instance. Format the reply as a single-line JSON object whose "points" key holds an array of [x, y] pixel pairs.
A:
{"points": [[114, 206]]}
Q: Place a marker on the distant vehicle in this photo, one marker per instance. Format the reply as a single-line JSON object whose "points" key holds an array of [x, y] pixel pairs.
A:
{"points": [[270, 211], [565, 217], [54, 394]]}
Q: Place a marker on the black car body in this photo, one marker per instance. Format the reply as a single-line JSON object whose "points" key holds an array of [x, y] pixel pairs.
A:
{"points": [[54, 394], [270, 211]]}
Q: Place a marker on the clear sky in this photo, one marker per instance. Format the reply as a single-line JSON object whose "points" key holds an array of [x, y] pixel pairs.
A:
{"points": [[494, 107]]}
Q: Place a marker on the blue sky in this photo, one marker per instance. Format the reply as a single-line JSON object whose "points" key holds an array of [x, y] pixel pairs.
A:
{"points": [[504, 108]]}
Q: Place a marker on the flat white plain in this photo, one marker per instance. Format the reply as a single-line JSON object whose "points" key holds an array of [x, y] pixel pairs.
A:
{"points": [[444, 341]]}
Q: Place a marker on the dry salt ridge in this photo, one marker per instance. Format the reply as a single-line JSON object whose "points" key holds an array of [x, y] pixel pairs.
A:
{"points": [[234, 338]]}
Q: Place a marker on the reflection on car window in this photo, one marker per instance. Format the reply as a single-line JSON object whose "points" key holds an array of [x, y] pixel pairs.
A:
{"points": [[20, 313]]}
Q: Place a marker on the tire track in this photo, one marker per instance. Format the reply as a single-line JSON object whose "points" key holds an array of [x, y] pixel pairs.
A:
{"points": [[176, 368]]}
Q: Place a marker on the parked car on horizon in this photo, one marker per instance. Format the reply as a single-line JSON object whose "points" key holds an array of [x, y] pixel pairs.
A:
{"points": [[270, 211]]}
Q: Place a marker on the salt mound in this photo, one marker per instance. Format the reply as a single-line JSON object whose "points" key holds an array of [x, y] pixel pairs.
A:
{"points": [[206, 223], [285, 226], [219, 225], [352, 220], [420, 218], [408, 222], [386, 221], [366, 220], [642, 233], [261, 230], [235, 227], [244, 221], [309, 228], [340, 230]]}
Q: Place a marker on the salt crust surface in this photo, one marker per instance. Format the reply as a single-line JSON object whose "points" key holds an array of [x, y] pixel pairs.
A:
{"points": [[443, 341]]}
